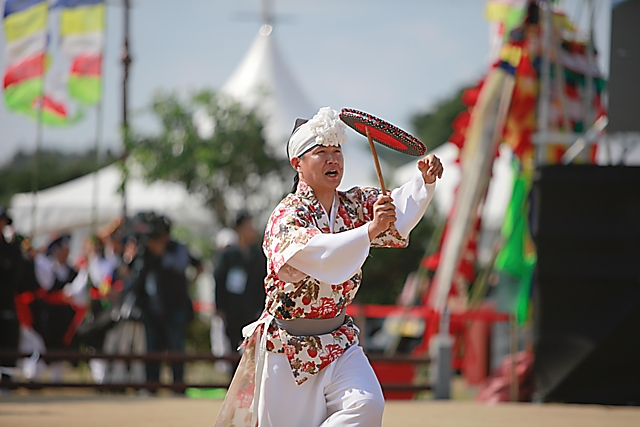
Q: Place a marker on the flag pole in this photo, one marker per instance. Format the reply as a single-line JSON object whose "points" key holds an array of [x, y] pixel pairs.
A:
{"points": [[126, 62], [99, 124], [35, 177]]}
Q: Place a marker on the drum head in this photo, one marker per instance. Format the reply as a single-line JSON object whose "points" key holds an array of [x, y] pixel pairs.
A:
{"points": [[383, 132]]}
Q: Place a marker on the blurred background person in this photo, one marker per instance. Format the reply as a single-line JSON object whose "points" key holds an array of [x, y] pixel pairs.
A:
{"points": [[127, 335], [29, 308], [162, 293], [114, 239], [63, 290], [239, 277], [10, 269], [220, 345], [101, 269]]}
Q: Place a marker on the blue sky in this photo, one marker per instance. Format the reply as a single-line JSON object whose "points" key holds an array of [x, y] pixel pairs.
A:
{"points": [[390, 58]]}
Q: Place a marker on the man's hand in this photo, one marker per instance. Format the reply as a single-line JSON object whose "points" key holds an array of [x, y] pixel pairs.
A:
{"points": [[431, 168], [384, 214]]}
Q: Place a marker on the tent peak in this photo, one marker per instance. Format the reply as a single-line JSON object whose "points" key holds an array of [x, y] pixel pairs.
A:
{"points": [[263, 81], [266, 30]]}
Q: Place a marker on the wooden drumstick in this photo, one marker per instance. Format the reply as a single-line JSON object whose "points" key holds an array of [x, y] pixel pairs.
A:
{"points": [[375, 160]]}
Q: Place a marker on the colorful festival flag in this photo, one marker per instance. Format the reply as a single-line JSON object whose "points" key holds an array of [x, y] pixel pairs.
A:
{"points": [[507, 13], [25, 28], [82, 24], [25, 25], [520, 54], [517, 258]]}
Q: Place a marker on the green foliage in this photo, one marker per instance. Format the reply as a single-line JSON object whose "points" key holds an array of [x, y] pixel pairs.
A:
{"points": [[434, 128], [386, 270], [197, 339], [234, 159], [54, 168], [200, 244]]}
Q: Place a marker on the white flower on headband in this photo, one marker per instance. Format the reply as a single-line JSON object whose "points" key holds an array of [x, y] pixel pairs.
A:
{"points": [[328, 128]]}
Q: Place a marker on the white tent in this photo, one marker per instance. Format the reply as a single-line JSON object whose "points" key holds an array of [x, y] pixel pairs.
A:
{"points": [[69, 206], [263, 81]]}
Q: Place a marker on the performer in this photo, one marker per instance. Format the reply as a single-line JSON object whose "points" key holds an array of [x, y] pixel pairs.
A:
{"points": [[64, 293], [302, 365]]}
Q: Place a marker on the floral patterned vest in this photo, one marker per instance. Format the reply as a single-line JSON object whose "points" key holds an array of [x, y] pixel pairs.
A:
{"points": [[295, 221]]}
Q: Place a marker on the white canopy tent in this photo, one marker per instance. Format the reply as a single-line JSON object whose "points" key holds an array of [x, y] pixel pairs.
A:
{"points": [[263, 81], [69, 206]]}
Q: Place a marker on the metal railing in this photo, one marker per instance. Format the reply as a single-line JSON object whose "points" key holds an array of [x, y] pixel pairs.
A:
{"points": [[76, 356]]}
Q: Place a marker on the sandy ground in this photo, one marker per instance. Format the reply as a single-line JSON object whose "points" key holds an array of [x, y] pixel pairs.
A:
{"points": [[35, 410]]}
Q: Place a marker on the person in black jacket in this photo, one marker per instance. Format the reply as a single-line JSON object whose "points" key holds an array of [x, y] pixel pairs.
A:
{"points": [[239, 278], [10, 267], [163, 297]]}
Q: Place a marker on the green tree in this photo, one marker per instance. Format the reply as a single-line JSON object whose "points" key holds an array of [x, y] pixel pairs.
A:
{"points": [[214, 146], [434, 128], [54, 168]]}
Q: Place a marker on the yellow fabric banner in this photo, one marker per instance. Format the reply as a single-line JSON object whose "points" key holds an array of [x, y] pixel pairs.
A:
{"points": [[27, 22], [496, 11], [85, 19]]}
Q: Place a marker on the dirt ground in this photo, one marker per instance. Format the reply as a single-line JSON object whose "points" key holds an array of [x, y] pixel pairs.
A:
{"points": [[36, 410]]}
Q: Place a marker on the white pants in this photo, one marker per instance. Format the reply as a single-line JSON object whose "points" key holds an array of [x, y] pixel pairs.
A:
{"points": [[346, 393]]}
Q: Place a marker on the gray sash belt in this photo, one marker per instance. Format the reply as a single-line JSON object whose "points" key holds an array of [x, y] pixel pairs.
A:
{"points": [[306, 327]]}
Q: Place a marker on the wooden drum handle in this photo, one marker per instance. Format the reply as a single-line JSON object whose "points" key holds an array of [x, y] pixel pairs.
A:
{"points": [[375, 160]]}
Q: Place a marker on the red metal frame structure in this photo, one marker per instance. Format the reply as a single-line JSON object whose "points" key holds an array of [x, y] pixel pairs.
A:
{"points": [[463, 350]]}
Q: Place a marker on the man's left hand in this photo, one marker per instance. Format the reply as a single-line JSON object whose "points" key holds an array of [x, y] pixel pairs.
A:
{"points": [[431, 168]]}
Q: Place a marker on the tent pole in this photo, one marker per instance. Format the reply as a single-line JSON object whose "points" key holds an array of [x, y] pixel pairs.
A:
{"points": [[35, 181], [96, 187]]}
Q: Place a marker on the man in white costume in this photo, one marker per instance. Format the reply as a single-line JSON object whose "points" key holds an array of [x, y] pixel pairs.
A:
{"points": [[302, 366]]}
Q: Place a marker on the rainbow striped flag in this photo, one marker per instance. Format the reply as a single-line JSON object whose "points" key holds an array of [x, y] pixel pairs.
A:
{"points": [[82, 24], [25, 26]]}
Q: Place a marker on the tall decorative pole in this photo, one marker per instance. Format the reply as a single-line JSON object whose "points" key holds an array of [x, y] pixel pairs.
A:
{"points": [[545, 82]]}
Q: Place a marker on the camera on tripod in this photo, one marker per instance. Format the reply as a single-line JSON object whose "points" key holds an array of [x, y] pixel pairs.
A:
{"points": [[148, 225], [143, 227]]}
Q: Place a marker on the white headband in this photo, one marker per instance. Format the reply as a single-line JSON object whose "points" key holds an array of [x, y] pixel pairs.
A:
{"points": [[325, 128]]}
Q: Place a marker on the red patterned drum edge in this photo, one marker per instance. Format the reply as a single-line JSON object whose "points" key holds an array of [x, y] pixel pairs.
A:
{"points": [[383, 132]]}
